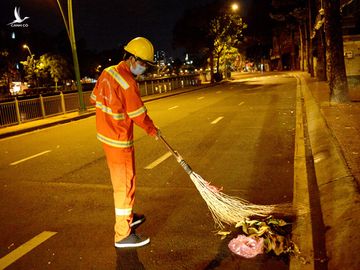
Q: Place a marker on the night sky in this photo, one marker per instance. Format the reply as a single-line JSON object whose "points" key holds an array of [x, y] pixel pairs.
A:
{"points": [[106, 24]]}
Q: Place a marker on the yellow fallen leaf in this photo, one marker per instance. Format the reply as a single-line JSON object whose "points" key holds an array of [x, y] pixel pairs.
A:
{"points": [[223, 233]]}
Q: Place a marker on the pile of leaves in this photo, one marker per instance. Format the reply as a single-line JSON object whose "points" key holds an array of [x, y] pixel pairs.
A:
{"points": [[275, 235]]}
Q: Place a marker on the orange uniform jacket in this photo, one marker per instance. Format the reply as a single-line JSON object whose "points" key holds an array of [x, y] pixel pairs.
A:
{"points": [[118, 105]]}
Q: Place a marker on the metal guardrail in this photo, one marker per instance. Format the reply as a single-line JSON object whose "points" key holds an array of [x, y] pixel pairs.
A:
{"points": [[21, 111]]}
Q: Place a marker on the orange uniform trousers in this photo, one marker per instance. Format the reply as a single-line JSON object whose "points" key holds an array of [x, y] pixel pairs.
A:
{"points": [[121, 164]]}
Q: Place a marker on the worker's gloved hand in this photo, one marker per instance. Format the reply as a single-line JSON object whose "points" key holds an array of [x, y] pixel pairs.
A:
{"points": [[155, 132]]}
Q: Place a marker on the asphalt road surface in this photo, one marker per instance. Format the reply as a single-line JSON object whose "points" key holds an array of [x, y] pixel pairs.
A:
{"points": [[56, 197]]}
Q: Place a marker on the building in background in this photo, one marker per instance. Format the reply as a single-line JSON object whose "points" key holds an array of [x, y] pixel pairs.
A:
{"points": [[351, 31]]}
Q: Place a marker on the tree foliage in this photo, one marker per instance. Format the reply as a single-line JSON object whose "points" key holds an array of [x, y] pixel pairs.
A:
{"points": [[289, 23], [55, 66], [47, 69], [211, 32], [6, 70], [226, 33], [30, 69]]}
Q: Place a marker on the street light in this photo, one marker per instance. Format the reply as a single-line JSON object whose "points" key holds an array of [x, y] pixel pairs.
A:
{"points": [[234, 7], [69, 25], [25, 46]]}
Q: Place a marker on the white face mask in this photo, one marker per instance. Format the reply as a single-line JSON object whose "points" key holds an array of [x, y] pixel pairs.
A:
{"points": [[138, 69]]}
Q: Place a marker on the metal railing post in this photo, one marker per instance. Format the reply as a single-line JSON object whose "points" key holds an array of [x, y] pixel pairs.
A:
{"points": [[42, 106], [17, 111], [62, 101]]}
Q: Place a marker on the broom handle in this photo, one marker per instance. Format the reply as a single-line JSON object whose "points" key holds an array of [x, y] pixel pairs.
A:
{"points": [[177, 156]]}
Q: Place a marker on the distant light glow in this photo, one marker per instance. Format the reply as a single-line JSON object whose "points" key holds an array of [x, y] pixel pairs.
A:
{"points": [[234, 6], [15, 88]]}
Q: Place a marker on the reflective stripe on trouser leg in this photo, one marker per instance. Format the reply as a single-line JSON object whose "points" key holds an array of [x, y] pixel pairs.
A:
{"points": [[122, 172]]}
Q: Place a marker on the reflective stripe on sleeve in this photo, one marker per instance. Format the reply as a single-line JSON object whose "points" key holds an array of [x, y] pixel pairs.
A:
{"points": [[107, 110], [114, 143], [123, 211], [113, 73], [138, 112], [93, 97]]}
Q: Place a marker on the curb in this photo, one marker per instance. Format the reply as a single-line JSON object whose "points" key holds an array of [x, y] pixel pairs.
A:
{"points": [[45, 125], [339, 197]]}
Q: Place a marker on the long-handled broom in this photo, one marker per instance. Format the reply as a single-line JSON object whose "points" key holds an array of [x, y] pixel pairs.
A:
{"points": [[224, 208]]}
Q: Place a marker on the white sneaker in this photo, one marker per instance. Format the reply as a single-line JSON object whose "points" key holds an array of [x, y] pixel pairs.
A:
{"points": [[133, 241]]}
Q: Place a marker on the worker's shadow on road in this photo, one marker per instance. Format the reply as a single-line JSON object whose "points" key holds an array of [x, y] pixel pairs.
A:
{"points": [[127, 259]]}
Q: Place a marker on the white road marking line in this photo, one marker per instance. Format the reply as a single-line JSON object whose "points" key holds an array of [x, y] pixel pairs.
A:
{"points": [[158, 161], [31, 157], [173, 107], [25, 248], [199, 98], [217, 120], [241, 103]]}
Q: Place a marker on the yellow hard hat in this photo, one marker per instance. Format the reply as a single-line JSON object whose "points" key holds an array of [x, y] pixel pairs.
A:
{"points": [[142, 48]]}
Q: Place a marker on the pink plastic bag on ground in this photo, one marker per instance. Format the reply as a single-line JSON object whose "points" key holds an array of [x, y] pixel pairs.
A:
{"points": [[246, 247]]}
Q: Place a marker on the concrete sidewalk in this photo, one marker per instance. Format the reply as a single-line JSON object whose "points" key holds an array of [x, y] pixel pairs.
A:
{"points": [[334, 131], [343, 120]]}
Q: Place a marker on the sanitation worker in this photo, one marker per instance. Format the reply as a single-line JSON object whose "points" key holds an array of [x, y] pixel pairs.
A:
{"points": [[118, 106]]}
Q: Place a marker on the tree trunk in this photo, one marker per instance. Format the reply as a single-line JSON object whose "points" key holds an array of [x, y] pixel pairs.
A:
{"points": [[321, 64], [212, 80], [302, 48], [293, 62], [218, 63], [308, 37], [279, 66], [335, 53], [321, 48]]}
